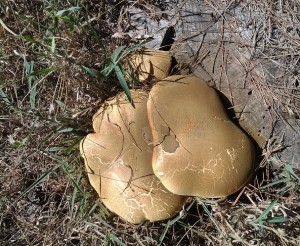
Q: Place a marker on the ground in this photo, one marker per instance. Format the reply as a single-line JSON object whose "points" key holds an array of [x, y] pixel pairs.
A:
{"points": [[49, 52]]}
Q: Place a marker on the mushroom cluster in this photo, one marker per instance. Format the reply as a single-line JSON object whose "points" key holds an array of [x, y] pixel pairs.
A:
{"points": [[177, 142]]}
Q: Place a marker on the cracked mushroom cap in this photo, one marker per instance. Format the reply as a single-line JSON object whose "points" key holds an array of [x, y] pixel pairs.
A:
{"points": [[118, 162], [197, 151], [149, 65]]}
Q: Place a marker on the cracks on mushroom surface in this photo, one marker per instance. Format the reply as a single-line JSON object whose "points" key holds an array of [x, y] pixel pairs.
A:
{"points": [[84, 154], [123, 137], [127, 127], [100, 114], [169, 142], [129, 183], [170, 130]]}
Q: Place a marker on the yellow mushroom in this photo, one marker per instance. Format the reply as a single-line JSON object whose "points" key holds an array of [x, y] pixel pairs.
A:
{"points": [[118, 162], [149, 65], [197, 151]]}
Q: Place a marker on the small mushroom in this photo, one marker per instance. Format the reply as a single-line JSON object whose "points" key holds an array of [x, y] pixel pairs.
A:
{"points": [[197, 151], [149, 65], [118, 162]]}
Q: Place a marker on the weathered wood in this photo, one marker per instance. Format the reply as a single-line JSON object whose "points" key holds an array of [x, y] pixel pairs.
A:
{"points": [[217, 42]]}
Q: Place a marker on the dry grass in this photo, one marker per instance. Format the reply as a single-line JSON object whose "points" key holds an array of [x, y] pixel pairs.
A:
{"points": [[276, 45], [46, 103]]}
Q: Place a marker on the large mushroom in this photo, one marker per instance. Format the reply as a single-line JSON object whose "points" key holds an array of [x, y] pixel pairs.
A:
{"points": [[149, 65], [118, 162], [197, 151]]}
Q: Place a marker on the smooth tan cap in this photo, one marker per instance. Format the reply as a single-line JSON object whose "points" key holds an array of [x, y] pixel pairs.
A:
{"points": [[197, 151], [118, 161], [150, 65]]}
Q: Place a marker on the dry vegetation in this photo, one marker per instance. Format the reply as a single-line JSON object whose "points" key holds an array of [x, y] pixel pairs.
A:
{"points": [[46, 103]]}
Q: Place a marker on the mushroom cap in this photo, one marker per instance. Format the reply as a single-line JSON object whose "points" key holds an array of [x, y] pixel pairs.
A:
{"points": [[149, 65], [118, 162], [197, 151]]}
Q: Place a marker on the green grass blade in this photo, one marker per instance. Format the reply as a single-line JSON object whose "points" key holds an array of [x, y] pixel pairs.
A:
{"points": [[276, 220], [31, 84], [134, 47], [39, 180], [53, 45], [65, 169], [289, 169], [29, 39], [61, 12], [107, 71], [74, 195], [32, 88], [92, 209], [55, 148], [170, 223], [116, 240], [116, 54], [123, 83], [275, 183], [61, 104], [30, 19], [286, 189], [164, 233], [167, 226], [209, 214], [265, 213], [4, 98], [71, 130], [66, 130], [54, 27], [90, 71], [27, 66], [43, 71]]}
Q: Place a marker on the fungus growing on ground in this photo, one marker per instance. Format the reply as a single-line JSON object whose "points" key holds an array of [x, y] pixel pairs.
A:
{"points": [[118, 162], [149, 65], [197, 151]]}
